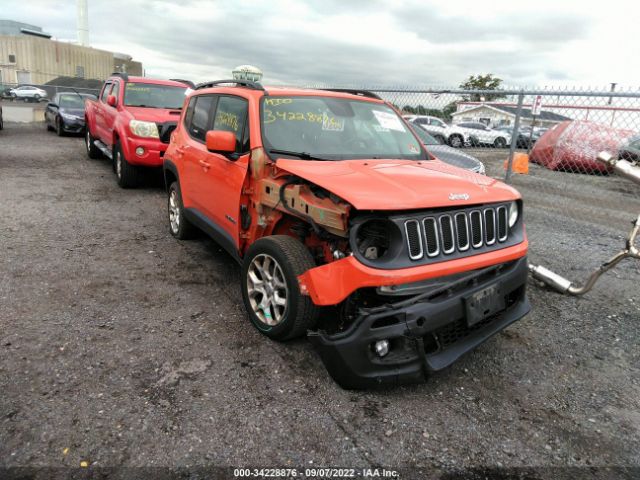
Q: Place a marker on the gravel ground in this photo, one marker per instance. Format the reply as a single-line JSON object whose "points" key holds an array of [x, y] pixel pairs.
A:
{"points": [[120, 346]]}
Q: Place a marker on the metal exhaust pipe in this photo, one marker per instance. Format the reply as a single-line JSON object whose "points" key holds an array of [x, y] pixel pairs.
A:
{"points": [[621, 167]]}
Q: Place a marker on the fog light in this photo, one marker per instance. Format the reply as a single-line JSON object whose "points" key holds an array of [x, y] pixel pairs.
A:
{"points": [[381, 347], [139, 151]]}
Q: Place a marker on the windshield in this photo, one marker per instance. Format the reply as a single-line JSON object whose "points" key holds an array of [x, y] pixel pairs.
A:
{"points": [[71, 101], [316, 127], [154, 96]]}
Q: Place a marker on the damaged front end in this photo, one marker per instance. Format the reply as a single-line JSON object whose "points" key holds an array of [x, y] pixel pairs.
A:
{"points": [[416, 329]]}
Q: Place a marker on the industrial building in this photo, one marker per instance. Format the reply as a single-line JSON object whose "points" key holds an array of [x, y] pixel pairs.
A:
{"points": [[29, 56]]}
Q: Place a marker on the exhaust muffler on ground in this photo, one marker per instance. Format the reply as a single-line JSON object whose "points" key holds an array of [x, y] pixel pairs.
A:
{"points": [[565, 286]]}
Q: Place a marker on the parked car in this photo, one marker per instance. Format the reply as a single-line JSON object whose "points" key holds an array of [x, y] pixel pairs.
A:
{"points": [[326, 198], [65, 113], [28, 93], [433, 125], [573, 145], [526, 136], [475, 134], [131, 123], [449, 154], [631, 149]]}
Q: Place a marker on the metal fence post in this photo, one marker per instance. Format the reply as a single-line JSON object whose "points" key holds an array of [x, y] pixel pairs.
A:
{"points": [[514, 137]]}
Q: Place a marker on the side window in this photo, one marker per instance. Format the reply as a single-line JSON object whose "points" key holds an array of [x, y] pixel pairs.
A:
{"points": [[188, 114], [200, 119], [105, 92], [115, 91], [231, 116]]}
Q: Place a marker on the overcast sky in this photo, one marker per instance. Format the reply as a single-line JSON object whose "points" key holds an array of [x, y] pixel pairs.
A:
{"points": [[362, 42]]}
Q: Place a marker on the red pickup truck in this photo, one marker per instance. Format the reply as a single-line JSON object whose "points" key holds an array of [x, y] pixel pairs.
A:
{"points": [[131, 123]]}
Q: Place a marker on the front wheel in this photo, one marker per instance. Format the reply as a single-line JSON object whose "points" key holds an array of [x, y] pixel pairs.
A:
{"points": [[270, 288], [126, 174], [59, 127], [93, 152]]}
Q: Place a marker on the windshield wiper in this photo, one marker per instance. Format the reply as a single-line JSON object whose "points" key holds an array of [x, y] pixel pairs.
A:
{"points": [[302, 155]]}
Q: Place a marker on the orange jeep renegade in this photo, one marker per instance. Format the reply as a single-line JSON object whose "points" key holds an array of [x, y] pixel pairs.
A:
{"points": [[391, 261]]}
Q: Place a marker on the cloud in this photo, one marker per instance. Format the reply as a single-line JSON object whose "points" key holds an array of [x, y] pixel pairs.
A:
{"points": [[360, 42]]}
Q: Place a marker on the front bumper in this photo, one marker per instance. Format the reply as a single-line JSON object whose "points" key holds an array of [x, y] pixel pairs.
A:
{"points": [[425, 336], [153, 151], [73, 126]]}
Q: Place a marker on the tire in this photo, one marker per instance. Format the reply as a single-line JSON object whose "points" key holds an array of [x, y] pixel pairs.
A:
{"points": [[59, 128], [36, 97], [284, 258], [456, 141], [179, 226], [93, 152], [126, 174], [500, 142]]}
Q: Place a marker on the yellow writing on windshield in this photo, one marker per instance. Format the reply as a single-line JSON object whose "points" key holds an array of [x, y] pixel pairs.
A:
{"points": [[227, 119], [321, 118], [277, 101]]}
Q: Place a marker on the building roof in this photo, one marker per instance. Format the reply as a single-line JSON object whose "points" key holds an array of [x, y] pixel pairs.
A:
{"points": [[11, 27], [511, 110]]}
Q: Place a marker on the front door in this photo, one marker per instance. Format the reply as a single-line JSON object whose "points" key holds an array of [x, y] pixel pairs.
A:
{"points": [[224, 174]]}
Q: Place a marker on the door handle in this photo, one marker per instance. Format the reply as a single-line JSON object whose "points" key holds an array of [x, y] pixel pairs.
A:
{"points": [[179, 150], [205, 165]]}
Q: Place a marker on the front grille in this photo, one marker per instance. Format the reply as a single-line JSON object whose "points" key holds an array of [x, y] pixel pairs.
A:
{"points": [[165, 130], [448, 233]]}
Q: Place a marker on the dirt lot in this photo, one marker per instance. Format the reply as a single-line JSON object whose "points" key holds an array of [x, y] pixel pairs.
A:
{"points": [[121, 346]]}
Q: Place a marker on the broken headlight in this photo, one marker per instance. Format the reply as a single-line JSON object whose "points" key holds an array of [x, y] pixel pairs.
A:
{"points": [[376, 237]]}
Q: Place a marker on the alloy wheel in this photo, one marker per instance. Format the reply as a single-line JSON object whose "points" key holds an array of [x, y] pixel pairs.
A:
{"points": [[267, 290], [174, 211]]}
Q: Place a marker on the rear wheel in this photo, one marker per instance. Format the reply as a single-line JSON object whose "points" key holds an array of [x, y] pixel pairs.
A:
{"points": [[179, 226], [36, 97], [499, 142], [456, 141], [93, 152], [126, 174], [270, 288]]}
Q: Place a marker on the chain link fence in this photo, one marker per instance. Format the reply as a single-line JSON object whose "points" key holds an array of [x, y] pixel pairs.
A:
{"points": [[8, 92], [544, 143]]}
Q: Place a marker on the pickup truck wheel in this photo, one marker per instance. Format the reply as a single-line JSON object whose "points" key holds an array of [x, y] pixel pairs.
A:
{"points": [[499, 142], [126, 174], [456, 141], [93, 152], [270, 288], [179, 226]]}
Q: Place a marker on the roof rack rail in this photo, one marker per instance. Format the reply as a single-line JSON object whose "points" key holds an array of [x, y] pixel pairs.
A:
{"points": [[186, 82], [353, 91], [240, 83], [122, 75]]}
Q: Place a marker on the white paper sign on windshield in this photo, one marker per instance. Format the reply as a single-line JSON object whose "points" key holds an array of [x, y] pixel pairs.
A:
{"points": [[389, 120]]}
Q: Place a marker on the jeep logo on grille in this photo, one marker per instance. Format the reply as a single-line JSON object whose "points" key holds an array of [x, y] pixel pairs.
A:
{"points": [[458, 196]]}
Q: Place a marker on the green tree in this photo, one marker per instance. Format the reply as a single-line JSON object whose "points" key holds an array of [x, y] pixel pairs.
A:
{"points": [[482, 82]]}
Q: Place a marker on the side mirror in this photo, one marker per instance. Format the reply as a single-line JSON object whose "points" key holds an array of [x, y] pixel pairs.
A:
{"points": [[111, 100], [52, 105], [221, 141]]}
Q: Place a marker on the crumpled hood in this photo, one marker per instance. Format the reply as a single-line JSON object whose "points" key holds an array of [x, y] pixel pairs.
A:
{"points": [[156, 115], [400, 184]]}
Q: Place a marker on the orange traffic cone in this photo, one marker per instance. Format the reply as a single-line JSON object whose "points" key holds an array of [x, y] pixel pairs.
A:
{"points": [[520, 163]]}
